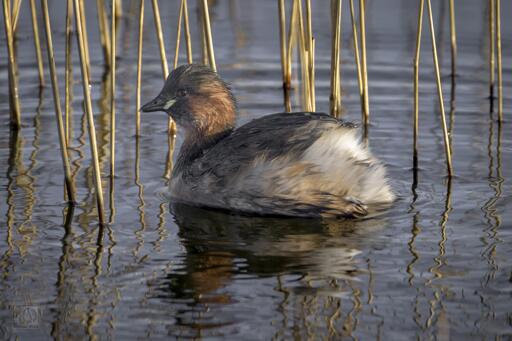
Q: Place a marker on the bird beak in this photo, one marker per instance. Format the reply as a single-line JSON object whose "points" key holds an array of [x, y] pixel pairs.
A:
{"points": [[158, 104]]}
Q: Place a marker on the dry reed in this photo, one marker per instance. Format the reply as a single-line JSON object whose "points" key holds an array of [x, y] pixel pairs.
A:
{"points": [[88, 107], [491, 50], [113, 92], [356, 55], [447, 147], [56, 100], [13, 83], [416, 85], [68, 72], [364, 71], [282, 45], [188, 39], [160, 37], [208, 35], [498, 47], [104, 31], [139, 68], [37, 44], [335, 59], [85, 39]]}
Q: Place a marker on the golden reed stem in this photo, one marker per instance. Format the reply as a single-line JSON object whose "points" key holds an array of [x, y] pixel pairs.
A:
{"points": [[178, 35], [88, 107], [56, 100], [335, 59], [312, 76], [15, 15], [282, 41], [37, 44], [447, 147], [113, 90], [416, 85], [364, 71], [356, 55], [13, 83], [498, 47], [69, 71], [291, 42], [188, 40], [85, 39], [491, 49], [160, 37], [208, 33], [304, 59], [453, 37], [139, 69]]}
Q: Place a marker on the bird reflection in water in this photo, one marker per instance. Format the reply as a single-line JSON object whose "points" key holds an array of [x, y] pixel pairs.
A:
{"points": [[300, 257]]}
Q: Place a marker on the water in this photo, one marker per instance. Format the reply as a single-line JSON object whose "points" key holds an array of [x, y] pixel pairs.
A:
{"points": [[436, 265]]}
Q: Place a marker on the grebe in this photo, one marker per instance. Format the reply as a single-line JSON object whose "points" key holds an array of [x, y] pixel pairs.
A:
{"points": [[301, 164]]}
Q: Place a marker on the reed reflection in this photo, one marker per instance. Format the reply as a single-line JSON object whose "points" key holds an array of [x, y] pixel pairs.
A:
{"points": [[316, 265]]}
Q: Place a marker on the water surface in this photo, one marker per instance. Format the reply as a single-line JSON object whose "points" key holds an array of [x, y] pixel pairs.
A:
{"points": [[438, 264]]}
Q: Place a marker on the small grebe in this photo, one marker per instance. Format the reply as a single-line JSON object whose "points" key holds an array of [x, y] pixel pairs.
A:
{"points": [[294, 164]]}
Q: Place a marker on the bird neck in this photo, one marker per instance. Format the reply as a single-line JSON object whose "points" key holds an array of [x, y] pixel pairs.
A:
{"points": [[195, 145]]}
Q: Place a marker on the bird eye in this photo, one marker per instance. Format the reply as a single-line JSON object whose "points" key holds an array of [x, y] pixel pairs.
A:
{"points": [[181, 93]]}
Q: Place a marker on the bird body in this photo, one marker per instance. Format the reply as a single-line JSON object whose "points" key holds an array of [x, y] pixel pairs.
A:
{"points": [[292, 164]]}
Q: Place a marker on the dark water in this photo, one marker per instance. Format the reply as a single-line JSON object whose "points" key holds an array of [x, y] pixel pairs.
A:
{"points": [[437, 265]]}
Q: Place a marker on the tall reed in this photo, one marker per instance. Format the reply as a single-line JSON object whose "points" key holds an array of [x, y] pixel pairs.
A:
{"points": [[37, 44], [447, 147], [356, 56], [56, 100], [88, 107], [500, 68], [113, 41], [416, 85], [15, 113], [335, 59], [364, 70], [139, 68], [208, 35], [160, 37], [69, 71]]}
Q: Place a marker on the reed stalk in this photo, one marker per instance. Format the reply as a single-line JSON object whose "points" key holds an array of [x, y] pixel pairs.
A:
{"points": [[204, 47], [364, 70], [453, 37], [335, 59], [104, 31], [491, 50], [15, 113], [16, 8], [85, 39], [113, 41], [69, 71], [416, 85], [304, 58], [188, 40], [88, 107], [498, 48], [447, 147], [56, 100], [37, 44], [282, 41], [356, 55], [139, 69], [178, 35], [208, 34], [291, 43], [312, 76], [160, 37]]}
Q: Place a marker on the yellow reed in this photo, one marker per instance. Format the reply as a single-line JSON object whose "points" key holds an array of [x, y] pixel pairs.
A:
{"points": [[113, 95], [16, 8], [37, 44], [139, 69], [453, 37], [491, 49], [335, 59], [282, 41], [56, 100], [68, 72], [312, 76], [364, 71], [160, 37], [208, 34], [498, 48], [447, 147], [416, 85], [178, 35], [88, 107], [188, 40], [85, 39], [13, 83], [356, 55]]}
